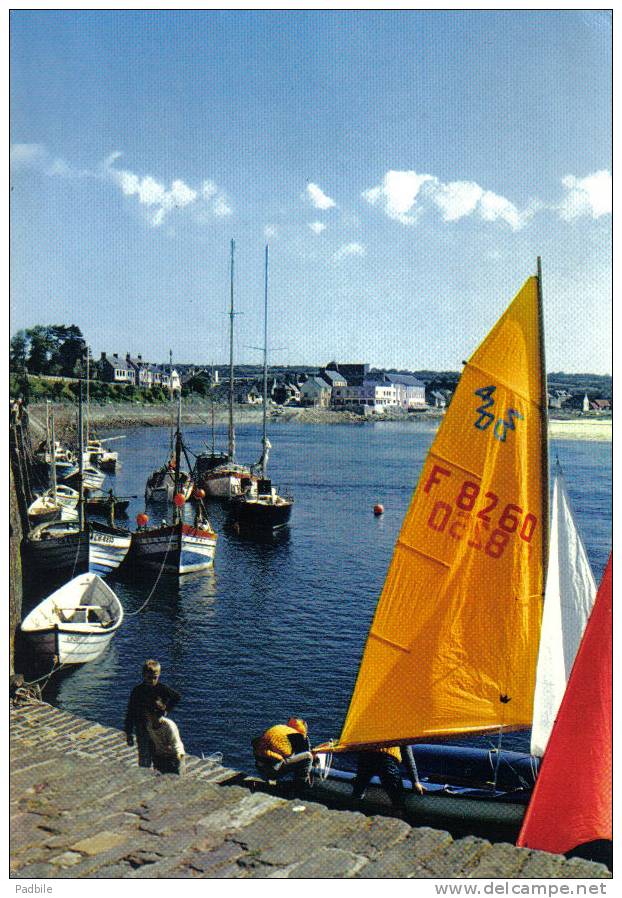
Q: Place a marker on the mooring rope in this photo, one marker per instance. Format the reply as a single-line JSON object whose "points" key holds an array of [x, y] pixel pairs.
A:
{"points": [[157, 580]]}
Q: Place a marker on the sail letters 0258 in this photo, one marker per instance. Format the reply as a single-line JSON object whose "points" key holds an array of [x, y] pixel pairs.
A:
{"points": [[453, 644]]}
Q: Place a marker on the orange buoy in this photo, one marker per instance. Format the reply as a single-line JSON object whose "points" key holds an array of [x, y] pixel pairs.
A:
{"points": [[142, 519], [199, 493], [378, 509], [179, 500]]}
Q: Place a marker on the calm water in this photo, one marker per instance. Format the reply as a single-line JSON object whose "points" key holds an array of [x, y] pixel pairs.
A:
{"points": [[278, 628]]}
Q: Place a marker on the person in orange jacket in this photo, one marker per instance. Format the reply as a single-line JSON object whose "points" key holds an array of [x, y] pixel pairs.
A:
{"points": [[284, 751], [385, 764]]}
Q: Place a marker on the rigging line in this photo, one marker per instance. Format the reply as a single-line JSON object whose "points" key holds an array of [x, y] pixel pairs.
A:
{"points": [[157, 579], [497, 759]]}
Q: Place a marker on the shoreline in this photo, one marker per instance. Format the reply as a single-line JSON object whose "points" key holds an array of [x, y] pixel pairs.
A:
{"points": [[115, 416]]}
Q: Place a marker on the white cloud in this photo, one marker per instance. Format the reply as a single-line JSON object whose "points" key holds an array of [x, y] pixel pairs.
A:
{"points": [[457, 199], [317, 227], [406, 195], [590, 196], [221, 207], [398, 194], [160, 200], [318, 198], [350, 249], [269, 231], [28, 155]]}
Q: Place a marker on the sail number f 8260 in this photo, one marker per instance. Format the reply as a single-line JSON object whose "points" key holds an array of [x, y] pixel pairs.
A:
{"points": [[484, 528]]}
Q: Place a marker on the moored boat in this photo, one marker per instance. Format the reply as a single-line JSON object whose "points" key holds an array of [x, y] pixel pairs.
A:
{"points": [[57, 548], [76, 623], [177, 548], [108, 546], [260, 507]]}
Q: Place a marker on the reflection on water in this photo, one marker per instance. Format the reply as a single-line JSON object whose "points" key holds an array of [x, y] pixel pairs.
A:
{"points": [[279, 625]]}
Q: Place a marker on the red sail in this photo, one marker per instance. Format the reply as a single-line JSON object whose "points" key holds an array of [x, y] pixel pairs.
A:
{"points": [[572, 800]]}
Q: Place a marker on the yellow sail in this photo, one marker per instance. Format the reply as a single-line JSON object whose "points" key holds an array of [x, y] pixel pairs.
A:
{"points": [[453, 644]]}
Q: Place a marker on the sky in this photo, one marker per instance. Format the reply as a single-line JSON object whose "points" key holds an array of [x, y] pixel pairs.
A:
{"points": [[405, 167]]}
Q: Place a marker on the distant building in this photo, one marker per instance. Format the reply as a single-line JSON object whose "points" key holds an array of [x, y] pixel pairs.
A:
{"points": [[354, 374], [436, 399], [315, 391], [586, 403], [410, 391], [115, 370], [600, 405]]}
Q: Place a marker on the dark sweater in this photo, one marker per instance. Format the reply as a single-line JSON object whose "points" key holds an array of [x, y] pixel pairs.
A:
{"points": [[142, 698]]}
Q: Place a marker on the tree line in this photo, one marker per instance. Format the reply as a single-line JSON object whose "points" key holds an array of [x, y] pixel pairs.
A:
{"points": [[48, 349]]}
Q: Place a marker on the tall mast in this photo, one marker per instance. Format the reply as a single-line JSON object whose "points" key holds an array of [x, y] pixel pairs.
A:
{"points": [[545, 429], [88, 397], [177, 511], [81, 456], [211, 394], [52, 439], [264, 460], [231, 449]]}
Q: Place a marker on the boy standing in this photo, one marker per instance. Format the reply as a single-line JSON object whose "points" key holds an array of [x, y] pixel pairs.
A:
{"points": [[141, 700]]}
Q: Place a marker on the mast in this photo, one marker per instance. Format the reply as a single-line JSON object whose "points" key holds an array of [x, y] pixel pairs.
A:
{"points": [[52, 437], [264, 458], [231, 448], [545, 430], [88, 397], [177, 511], [211, 393], [81, 456]]}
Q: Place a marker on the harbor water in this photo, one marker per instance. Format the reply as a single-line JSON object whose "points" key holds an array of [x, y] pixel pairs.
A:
{"points": [[278, 627]]}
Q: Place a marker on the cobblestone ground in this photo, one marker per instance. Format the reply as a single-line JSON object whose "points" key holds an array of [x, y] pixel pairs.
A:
{"points": [[81, 807]]}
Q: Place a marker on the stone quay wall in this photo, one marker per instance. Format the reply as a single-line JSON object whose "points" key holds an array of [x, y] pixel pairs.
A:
{"points": [[80, 807]]}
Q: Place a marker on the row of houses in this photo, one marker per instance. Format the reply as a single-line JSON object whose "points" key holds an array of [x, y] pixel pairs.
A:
{"points": [[344, 387], [138, 373]]}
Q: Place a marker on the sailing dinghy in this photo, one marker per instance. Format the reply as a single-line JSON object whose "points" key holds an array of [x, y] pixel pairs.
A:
{"points": [[456, 639], [453, 647], [76, 623]]}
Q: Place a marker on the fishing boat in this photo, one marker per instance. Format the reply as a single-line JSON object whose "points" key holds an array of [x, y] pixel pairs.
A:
{"points": [[42, 510], [169, 480], [89, 475], [65, 495], [97, 454], [76, 623], [452, 650], [262, 508], [108, 546], [57, 548], [226, 479], [178, 547], [100, 503]]}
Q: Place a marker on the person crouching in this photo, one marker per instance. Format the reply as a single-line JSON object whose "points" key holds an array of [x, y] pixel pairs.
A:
{"points": [[167, 748], [284, 752]]}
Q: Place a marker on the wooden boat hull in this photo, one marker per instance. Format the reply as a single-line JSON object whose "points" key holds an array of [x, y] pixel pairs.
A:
{"points": [[69, 648], [102, 504], [108, 546], [255, 514], [176, 549], [58, 555], [70, 632]]}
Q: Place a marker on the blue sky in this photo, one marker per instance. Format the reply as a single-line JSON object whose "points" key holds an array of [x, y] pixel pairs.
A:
{"points": [[406, 168]]}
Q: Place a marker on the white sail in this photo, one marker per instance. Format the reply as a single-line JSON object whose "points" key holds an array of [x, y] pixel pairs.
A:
{"points": [[568, 599]]}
